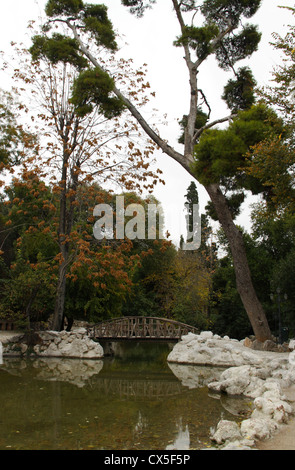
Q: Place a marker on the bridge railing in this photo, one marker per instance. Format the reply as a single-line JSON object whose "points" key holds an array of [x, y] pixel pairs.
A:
{"points": [[141, 328]]}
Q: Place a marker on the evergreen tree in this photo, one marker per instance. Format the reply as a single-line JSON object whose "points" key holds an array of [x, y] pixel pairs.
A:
{"points": [[192, 198]]}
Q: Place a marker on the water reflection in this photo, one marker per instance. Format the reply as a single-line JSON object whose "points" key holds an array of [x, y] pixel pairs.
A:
{"points": [[195, 376], [182, 440], [111, 404], [76, 372]]}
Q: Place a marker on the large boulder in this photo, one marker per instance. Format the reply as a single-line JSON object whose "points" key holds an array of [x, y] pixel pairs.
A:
{"points": [[73, 344], [226, 431], [214, 350], [261, 372], [270, 407]]}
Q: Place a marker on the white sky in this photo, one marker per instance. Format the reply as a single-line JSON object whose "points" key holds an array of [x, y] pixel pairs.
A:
{"points": [[149, 40]]}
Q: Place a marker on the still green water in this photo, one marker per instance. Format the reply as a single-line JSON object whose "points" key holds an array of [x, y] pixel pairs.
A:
{"points": [[118, 403]]}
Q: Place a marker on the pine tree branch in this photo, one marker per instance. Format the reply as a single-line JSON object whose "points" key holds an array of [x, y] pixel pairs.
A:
{"points": [[186, 160], [212, 124], [214, 44], [191, 120]]}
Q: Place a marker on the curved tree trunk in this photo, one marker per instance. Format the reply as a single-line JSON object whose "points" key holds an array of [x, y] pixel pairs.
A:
{"points": [[245, 286]]}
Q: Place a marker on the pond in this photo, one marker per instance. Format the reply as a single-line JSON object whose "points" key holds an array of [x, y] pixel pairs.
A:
{"points": [[134, 401]]}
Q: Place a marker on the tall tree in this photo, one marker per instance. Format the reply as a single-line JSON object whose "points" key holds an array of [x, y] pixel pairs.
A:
{"points": [[192, 201], [272, 161], [14, 139], [80, 145], [220, 31]]}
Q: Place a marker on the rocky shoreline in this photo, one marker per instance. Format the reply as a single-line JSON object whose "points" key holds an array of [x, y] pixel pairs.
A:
{"points": [[261, 375], [74, 344]]}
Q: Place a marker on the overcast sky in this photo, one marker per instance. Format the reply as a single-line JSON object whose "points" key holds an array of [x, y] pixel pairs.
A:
{"points": [[149, 40]]}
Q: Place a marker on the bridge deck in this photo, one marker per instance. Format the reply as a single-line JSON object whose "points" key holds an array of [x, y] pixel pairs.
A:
{"points": [[141, 328]]}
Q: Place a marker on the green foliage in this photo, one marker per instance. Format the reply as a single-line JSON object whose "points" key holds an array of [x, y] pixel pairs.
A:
{"points": [[29, 202], [238, 47], [192, 198], [28, 251], [239, 93], [63, 7], [221, 154], [201, 120], [220, 16], [228, 313], [284, 276], [199, 39], [234, 202], [171, 284], [14, 140], [271, 162], [90, 302], [225, 12], [59, 48], [218, 156], [93, 17], [276, 234], [174, 284], [98, 276], [277, 238], [94, 87], [96, 21], [138, 7], [28, 294], [56, 49], [271, 255]]}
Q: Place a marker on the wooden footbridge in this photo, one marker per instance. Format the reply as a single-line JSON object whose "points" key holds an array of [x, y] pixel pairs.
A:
{"points": [[140, 329]]}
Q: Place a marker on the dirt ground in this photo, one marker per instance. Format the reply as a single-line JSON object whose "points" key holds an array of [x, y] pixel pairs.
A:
{"points": [[283, 440], [7, 334]]}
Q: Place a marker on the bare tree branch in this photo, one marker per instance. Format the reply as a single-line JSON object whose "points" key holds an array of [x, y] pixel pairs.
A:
{"points": [[212, 124], [167, 149]]}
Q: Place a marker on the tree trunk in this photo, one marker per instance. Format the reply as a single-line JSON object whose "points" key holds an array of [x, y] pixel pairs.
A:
{"points": [[63, 249], [244, 282], [245, 287], [60, 297]]}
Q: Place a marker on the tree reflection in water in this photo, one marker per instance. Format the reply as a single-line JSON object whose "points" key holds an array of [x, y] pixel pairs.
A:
{"points": [[112, 404]]}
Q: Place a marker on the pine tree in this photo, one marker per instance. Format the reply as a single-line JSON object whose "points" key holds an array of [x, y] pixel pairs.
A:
{"points": [[222, 31]]}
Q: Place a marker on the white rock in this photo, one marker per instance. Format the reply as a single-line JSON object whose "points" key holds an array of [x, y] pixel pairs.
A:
{"points": [[226, 431], [233, 381], [243, 444], [261, 375], [75, 344], [210, 349], [206, 335], [81, 331], [275, 409], [258, 428]]}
